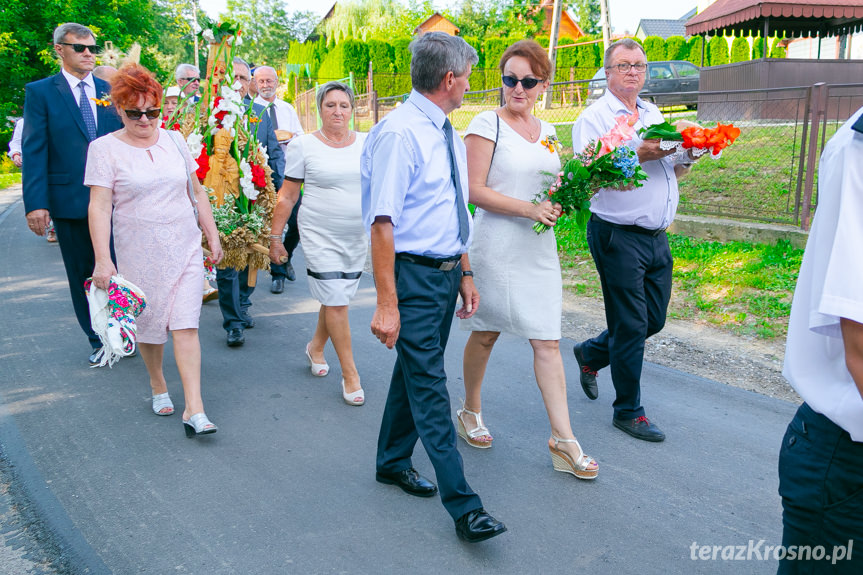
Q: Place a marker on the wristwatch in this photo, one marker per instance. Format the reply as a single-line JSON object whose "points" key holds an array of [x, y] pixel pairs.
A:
{"points": [[465, 273]]}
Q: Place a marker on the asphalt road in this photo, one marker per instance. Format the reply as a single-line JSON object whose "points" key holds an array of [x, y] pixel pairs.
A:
{"points": [[287, 484]]}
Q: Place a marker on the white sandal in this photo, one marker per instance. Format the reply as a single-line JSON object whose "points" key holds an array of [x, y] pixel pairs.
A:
{"points": [[198, 424], [478, 431], [562, 461], [162, 401], [318, 369], [353, 398]]}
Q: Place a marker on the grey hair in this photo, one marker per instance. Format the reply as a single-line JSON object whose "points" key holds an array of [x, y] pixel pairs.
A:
{"points": [[73, 29], [435, 54], [239, 61], [178, 73], [624, 43], [270, 68], [329, 87]]}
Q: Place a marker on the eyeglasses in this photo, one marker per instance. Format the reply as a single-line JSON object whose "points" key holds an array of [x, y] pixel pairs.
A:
{"points": [[526, 83], [151, 114], [191, 79], [625, 67], [79, 48]]}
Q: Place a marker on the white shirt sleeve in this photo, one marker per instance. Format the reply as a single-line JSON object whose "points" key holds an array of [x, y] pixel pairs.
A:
{"points": [[15, 142]]}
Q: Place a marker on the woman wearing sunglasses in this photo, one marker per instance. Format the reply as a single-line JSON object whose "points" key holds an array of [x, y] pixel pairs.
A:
{"points": [[138, 179], [516, 270]]}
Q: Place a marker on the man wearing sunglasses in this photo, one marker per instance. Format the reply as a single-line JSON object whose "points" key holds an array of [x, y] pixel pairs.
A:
{"points": [[61, 119], [188, 79], [626, 236]]}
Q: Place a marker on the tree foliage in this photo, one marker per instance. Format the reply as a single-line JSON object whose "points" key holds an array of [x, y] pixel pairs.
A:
{"points": [[268, 28], [676, 48], [587, 14], [717, 51], [740, 50], [654, 47]]}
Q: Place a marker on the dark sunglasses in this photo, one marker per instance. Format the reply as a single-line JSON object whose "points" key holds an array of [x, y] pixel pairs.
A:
{"points": [[526, 83], [152, 114], [79, 48], [190, 80]]}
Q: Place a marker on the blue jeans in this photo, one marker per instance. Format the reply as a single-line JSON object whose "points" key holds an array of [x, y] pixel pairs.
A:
{"points": [[821, 484]]}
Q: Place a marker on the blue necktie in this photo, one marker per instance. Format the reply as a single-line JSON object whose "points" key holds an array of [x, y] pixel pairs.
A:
{"points": [[87, 112], [463, 225]]}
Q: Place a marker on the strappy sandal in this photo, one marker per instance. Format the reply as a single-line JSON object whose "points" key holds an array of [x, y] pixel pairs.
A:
{"points": [[198, 424], [471, 436], [317, 369], [162, 401], [562, 461]]}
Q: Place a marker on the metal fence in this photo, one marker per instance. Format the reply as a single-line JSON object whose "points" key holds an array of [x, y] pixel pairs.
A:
{"points": [[768, 175]]}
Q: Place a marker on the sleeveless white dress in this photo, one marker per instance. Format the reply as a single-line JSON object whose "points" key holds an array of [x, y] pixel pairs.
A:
{"points": [[516, 270]]}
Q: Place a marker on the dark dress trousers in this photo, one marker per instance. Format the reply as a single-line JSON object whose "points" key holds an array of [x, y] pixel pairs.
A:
{"points": [[234, 289], [54, 150]]}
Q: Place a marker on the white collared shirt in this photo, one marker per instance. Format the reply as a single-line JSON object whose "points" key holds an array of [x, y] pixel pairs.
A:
{"points": [[406, 175], [286, 115], [829, 287], [15, 142], [89, 89], [654, 204]]}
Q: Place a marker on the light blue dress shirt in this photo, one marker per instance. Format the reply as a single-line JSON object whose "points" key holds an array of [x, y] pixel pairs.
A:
{"points": [[405, 171], [651, 206]]}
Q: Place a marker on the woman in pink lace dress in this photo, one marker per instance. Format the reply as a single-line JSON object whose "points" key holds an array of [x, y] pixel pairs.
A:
{"points": [[138, 182]]}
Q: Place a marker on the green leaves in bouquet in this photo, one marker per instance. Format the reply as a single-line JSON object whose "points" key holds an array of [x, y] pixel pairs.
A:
{"points": [[663, 131]]}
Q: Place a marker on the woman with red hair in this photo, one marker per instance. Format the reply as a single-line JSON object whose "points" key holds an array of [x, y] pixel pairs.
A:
{"points": [[139, 178]]}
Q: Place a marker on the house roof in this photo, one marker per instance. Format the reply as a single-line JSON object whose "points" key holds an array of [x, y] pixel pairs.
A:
{"points": [[788, 17], [662, 28], [435, 21]]}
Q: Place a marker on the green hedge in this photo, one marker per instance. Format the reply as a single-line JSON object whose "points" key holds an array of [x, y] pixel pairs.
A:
{"points": [[717, 51], [676, 48], [695, 51], [654, 47], [740, 50]]}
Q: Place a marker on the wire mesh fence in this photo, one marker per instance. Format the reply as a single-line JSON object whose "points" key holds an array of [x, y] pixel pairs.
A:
{"points": [[768, 175]]}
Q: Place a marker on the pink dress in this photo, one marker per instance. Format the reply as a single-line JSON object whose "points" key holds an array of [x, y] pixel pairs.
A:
{"points": [[156, 237]]}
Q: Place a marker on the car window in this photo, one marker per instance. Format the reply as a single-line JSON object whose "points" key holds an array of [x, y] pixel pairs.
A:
{"points": [[660, 72], [686, 70], [600, 74]]}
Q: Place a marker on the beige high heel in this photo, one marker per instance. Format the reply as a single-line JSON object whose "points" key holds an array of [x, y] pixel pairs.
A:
{"points": [[317, 369], [471, 436], [562, 461]]}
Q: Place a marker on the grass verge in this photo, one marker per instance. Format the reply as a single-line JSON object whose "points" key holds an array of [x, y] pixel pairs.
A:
{"points": [[7, 180], [746, 288]]}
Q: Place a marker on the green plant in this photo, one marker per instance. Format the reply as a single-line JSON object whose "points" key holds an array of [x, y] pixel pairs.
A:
{"points": [[717, 51], [654, 46], [676, 48], [695, 51], [740, 50]]}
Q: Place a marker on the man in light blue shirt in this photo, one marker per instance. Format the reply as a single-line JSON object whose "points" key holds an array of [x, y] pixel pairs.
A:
{"points": [[414, 198], [626, 235]]}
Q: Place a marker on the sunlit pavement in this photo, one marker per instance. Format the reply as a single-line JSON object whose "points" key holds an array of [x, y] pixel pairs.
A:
{"points": [[287, 484]]}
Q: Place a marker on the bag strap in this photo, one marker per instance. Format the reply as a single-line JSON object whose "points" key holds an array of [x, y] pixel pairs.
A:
{"points": [[496, 136], [189, 186]]}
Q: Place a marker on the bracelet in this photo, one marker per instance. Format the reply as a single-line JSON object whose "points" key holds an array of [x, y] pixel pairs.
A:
{"points": [[275, 236], [466, 273]]}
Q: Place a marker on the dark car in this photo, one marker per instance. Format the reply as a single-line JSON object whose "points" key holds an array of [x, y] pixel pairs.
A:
{"points": [[669, 83]]}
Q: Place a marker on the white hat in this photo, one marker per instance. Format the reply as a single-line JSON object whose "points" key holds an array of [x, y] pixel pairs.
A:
{"points": [[172, 91]]}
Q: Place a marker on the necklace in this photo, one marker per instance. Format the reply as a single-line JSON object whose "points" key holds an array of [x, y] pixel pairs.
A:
{"points": [[342, 141], [529, 131]]}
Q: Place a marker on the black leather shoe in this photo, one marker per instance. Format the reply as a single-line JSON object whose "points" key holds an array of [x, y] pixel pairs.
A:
{"points": [[236, 337], [95, 357], [409, 481], [278, 285], [587, 375], [477, 525], [639, 428], [249, 321], [289, 272]]}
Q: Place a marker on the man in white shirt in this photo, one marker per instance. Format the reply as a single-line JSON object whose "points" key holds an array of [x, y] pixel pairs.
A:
{"points": [[188, 79], [626, 235], [821, 459], [287, 125]]}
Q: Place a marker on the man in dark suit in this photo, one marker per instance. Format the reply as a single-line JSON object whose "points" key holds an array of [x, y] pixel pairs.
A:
{"points": [[234, 288], [62, 117]]}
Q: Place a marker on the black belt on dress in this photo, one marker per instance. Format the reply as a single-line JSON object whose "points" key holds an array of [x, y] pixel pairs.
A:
{"points": [[443, 264], [628, 228]]}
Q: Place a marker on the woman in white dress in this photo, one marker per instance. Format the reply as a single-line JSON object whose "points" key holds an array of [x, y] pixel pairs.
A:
{"points": [[326, 163], [516, 270]]}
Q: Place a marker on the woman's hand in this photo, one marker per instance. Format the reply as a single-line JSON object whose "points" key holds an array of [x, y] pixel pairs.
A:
{"points": [[278, 253], [216, 253], [102, 274], [546, 213]]}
